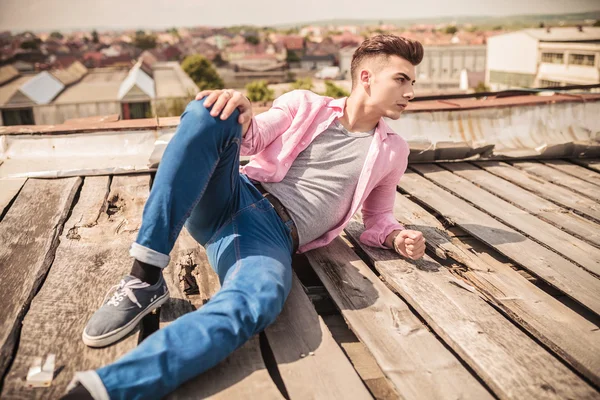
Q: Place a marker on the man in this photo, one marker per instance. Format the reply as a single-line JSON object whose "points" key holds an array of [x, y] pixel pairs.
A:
{"points": [[316, 162]]}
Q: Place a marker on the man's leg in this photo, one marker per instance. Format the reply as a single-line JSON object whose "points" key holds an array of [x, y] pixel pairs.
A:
{"points": [[252, 255], [204, 152]]}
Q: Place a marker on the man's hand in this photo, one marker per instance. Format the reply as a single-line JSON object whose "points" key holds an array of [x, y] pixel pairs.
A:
{"points": [[410, 244], [224, 102]]}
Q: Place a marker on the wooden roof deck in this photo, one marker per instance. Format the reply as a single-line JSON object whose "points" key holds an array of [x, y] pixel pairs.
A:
{"points": [[505, 304]]}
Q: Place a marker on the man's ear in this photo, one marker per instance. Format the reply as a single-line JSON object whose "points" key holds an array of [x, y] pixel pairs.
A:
{"points": [[365, 78]]}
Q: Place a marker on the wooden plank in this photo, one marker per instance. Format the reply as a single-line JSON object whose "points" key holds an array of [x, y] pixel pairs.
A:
{"points": [[575, 170], [505, 358], [310, 362], [92, 256], [545, 264], [410, 356], [575, 339], [543, 188], [593, 164], [584, 254], [8, 190], [562, 218], [364, 363], [28, 239], [560, 178], [242, 374]]}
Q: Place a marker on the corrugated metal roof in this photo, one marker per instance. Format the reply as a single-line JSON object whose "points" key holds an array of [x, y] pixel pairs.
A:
{"points": [[569, 34], [137, 78], [7, 73], [99, 85], [172, 81], [42, 88], [8, 90], [70, 75]]}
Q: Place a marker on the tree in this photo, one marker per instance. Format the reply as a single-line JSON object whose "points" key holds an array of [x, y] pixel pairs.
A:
{"points": [[252, 40], [597, 23], [332, 90], [259, 91], [202, 72], [56, 35], [481, 88], [451, 29], [218, 60], [33, 44], [292, 56], [95, 38], [174, 32], [302, 83], [143, 41]]}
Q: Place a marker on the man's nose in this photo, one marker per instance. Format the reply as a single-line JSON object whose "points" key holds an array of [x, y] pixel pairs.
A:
{"points": [[410, 94]]}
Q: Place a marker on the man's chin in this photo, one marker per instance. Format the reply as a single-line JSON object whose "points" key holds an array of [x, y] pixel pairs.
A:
{"points": [[394, 115]]}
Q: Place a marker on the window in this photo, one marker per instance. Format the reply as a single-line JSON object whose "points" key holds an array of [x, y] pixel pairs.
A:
{"points": [[553, 58], [22, 116], [582, 59], [546, 83], [136, 110]]}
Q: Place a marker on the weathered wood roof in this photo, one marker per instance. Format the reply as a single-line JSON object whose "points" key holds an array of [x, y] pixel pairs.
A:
{"points": [[505, 304]]}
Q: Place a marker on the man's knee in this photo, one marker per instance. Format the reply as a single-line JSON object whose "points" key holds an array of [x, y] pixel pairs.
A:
{"points": [[268, 303], [198, 116]]}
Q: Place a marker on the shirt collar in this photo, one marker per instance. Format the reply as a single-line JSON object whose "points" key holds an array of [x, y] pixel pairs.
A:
{"points": [[382, 129]]}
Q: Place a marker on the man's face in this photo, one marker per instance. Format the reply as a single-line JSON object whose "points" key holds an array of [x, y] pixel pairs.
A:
{"points": [[390, 85]]}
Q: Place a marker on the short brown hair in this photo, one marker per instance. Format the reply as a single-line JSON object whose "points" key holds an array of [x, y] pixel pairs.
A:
{"points": [[386, 45]]}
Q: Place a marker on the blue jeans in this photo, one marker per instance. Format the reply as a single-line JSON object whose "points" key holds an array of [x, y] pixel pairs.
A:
{"points": [[198, 184]]}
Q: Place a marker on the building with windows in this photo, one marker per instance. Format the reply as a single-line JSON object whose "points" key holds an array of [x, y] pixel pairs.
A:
{"points": [[544, 57], [53, 97]]}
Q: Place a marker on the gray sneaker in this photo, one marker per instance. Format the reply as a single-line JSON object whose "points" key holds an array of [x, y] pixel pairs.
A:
{"points": [[131, 301]]}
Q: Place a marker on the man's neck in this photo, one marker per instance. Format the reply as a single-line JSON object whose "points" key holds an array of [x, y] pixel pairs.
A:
{"points": [[358, 117]]}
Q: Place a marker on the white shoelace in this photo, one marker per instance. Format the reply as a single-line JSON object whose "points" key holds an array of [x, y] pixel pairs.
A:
{"points": [[125, 288]]}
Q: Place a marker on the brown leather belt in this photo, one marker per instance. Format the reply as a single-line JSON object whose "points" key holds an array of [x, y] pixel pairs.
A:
{"points": [[282, 212]]}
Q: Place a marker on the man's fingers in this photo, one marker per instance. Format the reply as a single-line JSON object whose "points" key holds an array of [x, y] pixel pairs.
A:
{"points": [[233, 103], [203, 94], [408, 241], [211, 98], [219, 105]]}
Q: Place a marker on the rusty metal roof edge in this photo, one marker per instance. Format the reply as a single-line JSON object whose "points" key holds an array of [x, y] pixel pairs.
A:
{"points": [[172, 122]]}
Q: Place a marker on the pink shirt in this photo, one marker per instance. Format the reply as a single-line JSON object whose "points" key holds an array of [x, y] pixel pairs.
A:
{"points": [[277, 136]]}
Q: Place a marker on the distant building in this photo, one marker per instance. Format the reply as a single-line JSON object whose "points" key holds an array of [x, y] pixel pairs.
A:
{"points": [[544, 57], [443, 65], [50, 98]]}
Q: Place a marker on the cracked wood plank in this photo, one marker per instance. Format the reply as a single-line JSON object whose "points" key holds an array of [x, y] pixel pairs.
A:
{"points": [[8, 190], [310, 362], [572, 280], [92, 256], [505, 358], [575, 339], [557, 194], [576, 250], [411, 357], [28, 240]]}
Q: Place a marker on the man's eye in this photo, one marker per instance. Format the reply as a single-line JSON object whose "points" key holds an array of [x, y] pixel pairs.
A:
{"points": [[401, 79]]}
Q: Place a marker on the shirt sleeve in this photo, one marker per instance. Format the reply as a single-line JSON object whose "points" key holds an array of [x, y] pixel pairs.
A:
{"points": [[268, 126], [378, 209]]}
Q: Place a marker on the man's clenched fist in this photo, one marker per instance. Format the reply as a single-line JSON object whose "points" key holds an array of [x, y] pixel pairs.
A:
{"points": [[410, 244]]}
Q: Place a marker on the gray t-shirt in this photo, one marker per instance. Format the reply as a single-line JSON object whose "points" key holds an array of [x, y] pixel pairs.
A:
{"points": [[318, 189]]}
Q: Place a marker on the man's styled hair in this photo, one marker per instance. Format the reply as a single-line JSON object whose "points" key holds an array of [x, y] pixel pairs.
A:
{"points": [[386, 45]]}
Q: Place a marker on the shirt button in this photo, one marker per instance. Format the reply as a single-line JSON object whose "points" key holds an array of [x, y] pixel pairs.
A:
{"points": [[287, 164], [302, 142]]}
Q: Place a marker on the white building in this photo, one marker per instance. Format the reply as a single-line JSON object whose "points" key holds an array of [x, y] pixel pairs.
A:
{"points": [[442, 66], [544, 57], [50, 98]]}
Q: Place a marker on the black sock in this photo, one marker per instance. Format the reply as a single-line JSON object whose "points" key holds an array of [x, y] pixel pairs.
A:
{"points": [[146, 272], [79, 392]]}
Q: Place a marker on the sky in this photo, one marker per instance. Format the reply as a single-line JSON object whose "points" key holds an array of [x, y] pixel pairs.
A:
{"points": [[41, 15]]}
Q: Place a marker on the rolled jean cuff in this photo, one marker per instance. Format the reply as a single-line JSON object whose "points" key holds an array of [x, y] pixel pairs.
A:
{"points": [[149, 256], [91, 381]]}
